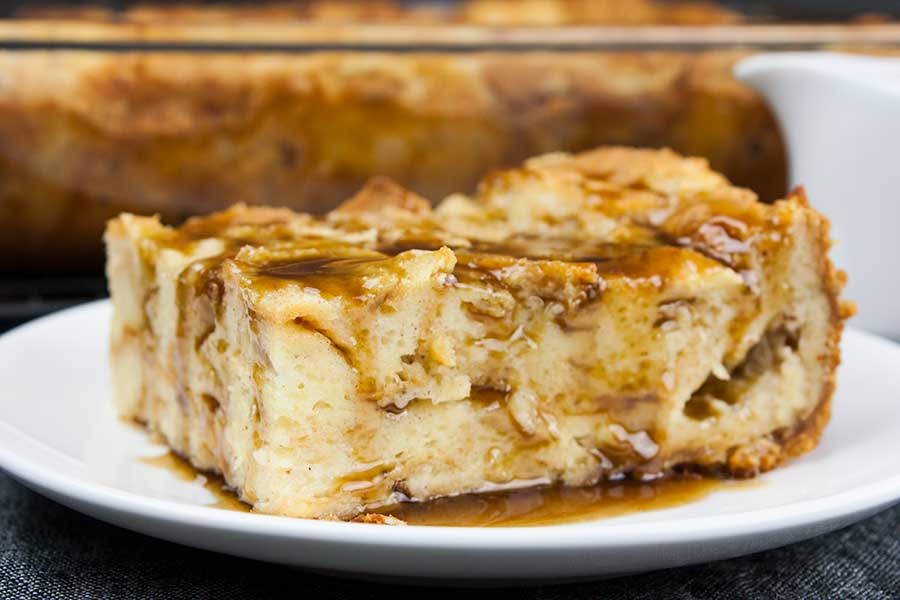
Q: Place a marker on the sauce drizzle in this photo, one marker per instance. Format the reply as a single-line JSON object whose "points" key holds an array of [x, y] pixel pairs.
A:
{"points": [[558, 505], [224, 498], [548, 505]]}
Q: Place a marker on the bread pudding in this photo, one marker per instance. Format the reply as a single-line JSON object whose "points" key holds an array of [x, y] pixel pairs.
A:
{"points": [[85, 135], [475, 12], [619, 313]]}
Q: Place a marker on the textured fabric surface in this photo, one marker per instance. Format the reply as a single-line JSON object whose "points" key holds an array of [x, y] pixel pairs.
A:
{"points": [[48, 551]]}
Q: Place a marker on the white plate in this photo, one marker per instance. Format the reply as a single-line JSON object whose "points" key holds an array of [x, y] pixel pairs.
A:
{"points": [[59, 435]]}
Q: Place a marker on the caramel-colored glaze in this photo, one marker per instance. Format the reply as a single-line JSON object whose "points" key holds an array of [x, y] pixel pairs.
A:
{"points": [[565, 250], [558, 505], [547, 505], [224, 498], [332, 276]]}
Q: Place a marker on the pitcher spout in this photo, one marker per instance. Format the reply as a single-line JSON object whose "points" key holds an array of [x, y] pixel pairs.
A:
{"points": [[786, 77]]}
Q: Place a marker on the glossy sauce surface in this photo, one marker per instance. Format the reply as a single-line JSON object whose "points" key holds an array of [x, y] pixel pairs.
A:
{"points": [[527, 507], [558, 505], [182, 469]]}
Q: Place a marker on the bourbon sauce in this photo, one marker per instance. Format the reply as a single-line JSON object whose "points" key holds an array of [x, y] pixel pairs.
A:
{"points": [[554, 505], [548, 505], [215, 485]]}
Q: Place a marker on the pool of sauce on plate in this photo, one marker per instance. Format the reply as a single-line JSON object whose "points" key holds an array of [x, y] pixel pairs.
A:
{"points": [[557, 505], [527, 507], [215, 485]]}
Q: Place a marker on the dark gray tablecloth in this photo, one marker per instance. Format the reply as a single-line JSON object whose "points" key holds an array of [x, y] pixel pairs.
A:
{"points": [[48, 551]]}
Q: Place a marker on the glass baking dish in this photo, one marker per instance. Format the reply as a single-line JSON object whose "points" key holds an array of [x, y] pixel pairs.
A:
{"points": [[180, 113]]}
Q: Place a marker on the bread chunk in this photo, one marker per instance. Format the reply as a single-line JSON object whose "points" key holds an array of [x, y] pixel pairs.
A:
{"points": [[615, 313]]}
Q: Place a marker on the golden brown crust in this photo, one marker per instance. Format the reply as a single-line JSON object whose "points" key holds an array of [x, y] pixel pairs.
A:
{"points": [[807, 434], [380, 194], [378, 519], [804, 437]]}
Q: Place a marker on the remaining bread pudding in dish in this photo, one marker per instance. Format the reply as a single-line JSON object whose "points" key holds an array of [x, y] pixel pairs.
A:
{"points": [[475, 12], [306, 130], [616, 313]]}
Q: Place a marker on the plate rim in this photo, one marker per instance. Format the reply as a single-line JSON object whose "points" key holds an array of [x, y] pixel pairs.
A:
{"points": [[48, 481]]}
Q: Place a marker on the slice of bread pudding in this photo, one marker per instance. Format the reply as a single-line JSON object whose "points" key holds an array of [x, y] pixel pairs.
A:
{"points": [[616, 313]]}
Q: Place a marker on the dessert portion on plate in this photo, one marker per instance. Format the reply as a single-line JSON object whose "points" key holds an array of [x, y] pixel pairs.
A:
{"points": [[616, 313]]}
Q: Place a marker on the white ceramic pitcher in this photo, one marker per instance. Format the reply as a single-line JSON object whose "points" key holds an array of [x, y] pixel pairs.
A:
{"points": [[840, 115]]}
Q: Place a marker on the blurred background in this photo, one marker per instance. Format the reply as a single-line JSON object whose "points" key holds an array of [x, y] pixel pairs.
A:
{"points": [[182, 108]]}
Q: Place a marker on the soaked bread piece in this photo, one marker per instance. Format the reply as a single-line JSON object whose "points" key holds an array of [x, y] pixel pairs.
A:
{"points": [[615, 313]]}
